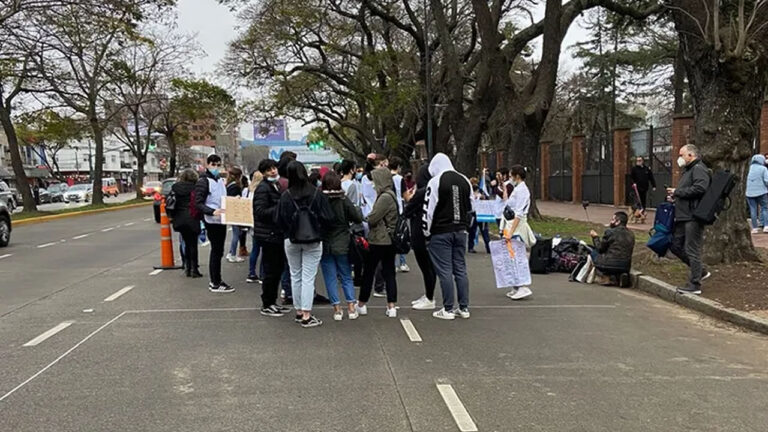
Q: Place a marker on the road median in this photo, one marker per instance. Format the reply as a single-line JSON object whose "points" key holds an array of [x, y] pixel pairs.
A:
{"points": [[77, 212]]}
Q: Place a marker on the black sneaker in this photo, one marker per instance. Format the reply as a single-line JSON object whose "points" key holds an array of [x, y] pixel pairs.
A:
{"points": [[625, 281], [706, 276], [282, 309], [288, 301], [222, 288], [688, 290], [252, 279], [312, 321], [298, 318], [271, 311]]}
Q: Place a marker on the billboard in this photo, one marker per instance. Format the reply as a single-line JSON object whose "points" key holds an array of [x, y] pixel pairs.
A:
{"points": [[270, 130]]}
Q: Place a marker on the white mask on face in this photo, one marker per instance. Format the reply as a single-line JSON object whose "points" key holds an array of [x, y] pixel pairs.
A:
{"points": [[681, 162]]}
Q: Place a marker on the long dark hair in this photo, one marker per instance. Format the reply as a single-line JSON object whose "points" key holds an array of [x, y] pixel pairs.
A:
{"points": [[298, 180]]}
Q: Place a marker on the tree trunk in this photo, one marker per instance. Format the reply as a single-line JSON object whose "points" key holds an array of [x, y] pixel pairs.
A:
{"points": [[173, 149], [22, 183], [140, 161], [523, 144], [727, 98], [98, 166], [678, 82]]}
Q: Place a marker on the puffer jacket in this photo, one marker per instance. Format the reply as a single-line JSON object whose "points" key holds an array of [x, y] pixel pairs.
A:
{"points": [[336, 236], [615, 250], [693, 184], [265, 201], [182, 218], [757, 179], [383, 217]]}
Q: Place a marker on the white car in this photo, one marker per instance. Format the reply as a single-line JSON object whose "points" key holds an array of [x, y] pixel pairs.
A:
{"points": [[79, 193]]}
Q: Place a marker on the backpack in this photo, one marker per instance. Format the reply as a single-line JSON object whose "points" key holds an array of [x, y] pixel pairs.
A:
{"points": [[715, 198], [663, 228], [304, 225], [193, 211], [401, 235], [541, 254]]}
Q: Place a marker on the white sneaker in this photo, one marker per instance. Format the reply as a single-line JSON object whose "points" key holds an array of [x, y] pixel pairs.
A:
{"points": [[461, 313], [521, 293], [231, 258], [338, 316], [757, 230], [765, 230], [391, 313], [419, 300], [444, 315], [404, 268], [379, 294], [361, 310], [353, 315], [425, 305], [239, 259], [512, 292]]}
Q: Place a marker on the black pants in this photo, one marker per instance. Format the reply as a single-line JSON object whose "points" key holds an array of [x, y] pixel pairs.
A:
{"points": [[386, 256], [686, 245], [643, 196], [190, 249], [217, 234], [427, 270], [273, 259]]}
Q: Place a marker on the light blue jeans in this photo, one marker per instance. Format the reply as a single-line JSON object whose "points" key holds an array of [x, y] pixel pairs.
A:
{"points": [[303, 260], [235, 240], [760, 202], [337, 267]]}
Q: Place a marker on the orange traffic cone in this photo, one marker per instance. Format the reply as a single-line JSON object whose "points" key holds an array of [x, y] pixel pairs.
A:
{"points": [[166, 241]]}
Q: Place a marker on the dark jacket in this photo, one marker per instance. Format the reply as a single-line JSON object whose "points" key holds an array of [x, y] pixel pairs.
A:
{"points": [[642, 176], [615, 250], [266, 198], [693, 183], [234, 190], [336, 236], [182, 219], [414, 209], [201, 193], [448, 201], [289, 200], [383, 218]]}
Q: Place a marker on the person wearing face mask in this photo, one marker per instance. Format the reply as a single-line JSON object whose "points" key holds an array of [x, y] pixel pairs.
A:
{"points": [[520, 203], [687, 239], [612, 254], [269, 235], [642, 176], [210, 191]]}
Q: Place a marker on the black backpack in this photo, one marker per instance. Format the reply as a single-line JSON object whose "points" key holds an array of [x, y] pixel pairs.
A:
{"points": [[304, 226], [401, 235], [716, 198]]}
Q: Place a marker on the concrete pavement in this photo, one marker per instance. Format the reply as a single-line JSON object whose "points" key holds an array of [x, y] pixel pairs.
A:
{"points": [[167, 355]]}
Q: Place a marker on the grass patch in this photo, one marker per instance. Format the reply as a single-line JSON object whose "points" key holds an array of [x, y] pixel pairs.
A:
{"points": [[35, 214]]}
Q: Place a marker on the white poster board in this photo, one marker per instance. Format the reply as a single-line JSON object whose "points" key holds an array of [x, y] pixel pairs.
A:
{"points": [[511, 269], [237, 211]]}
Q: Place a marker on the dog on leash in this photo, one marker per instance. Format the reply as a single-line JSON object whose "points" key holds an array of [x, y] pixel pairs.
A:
{"points": [[636, 215]]}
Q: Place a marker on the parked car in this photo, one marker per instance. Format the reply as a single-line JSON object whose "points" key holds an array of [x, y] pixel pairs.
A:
{"points": [[150, 188], [109, 187], [165, 189], [43, 195], [57, 191], [79, 192], [7, 196], [5, 225]]}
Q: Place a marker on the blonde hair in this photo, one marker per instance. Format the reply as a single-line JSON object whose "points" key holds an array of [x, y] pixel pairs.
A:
{"points": [[255, 180]]}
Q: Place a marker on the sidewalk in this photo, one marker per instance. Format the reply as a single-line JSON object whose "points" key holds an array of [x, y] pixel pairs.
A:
{"points": [[599, 213]]}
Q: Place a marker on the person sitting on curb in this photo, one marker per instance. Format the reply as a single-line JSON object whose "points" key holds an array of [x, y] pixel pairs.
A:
{"points": [[613, 252]]}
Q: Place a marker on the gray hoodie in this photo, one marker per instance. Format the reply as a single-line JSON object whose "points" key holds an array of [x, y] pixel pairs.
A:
{"points": [[383, 217]]}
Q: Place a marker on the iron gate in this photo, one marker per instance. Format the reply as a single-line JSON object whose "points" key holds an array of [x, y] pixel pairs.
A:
{"points": [[597, 180], [560, 187]]}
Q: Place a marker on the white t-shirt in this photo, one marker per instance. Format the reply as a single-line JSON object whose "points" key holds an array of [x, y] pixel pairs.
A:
{"points": [[398, 180], [369, 196], [520, 200]]}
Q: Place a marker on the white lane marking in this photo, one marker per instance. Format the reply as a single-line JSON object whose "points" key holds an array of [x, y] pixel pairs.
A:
{"points": [[129, 224], [46, 245], [107, 229], [156, 272], [116, 295], [410, 330], [68, 352], [459, 413], [6, 256], [147, 219], [80, 237], [47, 334]]}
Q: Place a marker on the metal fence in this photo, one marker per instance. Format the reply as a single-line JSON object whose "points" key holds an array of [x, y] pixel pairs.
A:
{"points": [[597, 179], [560, 187]]}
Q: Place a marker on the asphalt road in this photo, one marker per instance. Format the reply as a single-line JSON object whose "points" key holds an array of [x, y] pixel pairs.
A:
{"points": [[167, 355]]}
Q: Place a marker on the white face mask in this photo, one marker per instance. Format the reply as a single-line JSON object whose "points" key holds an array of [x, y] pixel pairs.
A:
{"points": [[681, 162]]}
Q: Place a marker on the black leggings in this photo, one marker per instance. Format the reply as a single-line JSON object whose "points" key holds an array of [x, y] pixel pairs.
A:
{"points": [[427, 271], [386, 256], [190, 249], [217, 234]]}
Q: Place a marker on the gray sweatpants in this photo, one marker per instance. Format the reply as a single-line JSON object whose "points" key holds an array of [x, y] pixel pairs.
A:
{"points": [[448, 253]]}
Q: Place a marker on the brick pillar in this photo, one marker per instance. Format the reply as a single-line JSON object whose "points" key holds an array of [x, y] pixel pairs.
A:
{"points": [[545, 170], [577, 167], [483, 161], [682, 134], [764, 129], [620, 165], [499, 161]]}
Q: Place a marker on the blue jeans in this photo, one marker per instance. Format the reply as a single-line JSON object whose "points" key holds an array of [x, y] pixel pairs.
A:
{"points": [[337, 267], [760, 202], [303, 260], [253, 258], [402, 260], [448, 252], [235, 240]]}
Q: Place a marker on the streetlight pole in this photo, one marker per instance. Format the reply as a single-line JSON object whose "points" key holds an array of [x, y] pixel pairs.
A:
{"points": [[428, 78]]}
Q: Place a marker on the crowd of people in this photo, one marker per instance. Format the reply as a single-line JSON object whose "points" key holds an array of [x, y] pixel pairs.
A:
{"points": [[343, 221]]}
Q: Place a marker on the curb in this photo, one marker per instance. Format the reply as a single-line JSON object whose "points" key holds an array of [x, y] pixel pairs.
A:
{"points": [[42, 219], [700, 304]]}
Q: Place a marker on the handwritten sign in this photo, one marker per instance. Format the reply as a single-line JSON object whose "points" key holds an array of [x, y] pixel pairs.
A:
{"points": [[238, 211], [510, 267], [488, 210]]}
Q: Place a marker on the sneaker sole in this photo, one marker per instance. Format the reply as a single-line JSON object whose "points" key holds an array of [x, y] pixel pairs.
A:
{"points": [[272, 314], [317, 324], [446, 318], [424, 308], [515, 297]]}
